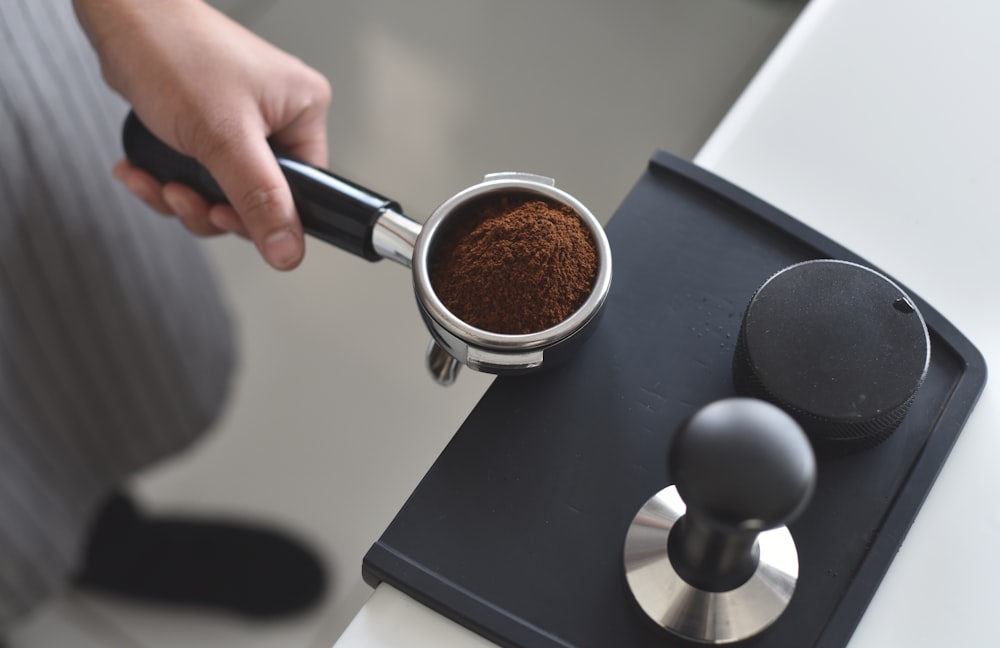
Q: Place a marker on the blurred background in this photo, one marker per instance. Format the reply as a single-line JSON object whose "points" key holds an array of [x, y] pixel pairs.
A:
{"points": [[332, 419]]}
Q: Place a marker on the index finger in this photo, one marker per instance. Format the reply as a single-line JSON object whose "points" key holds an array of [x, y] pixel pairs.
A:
{"points": [[249, 175]]}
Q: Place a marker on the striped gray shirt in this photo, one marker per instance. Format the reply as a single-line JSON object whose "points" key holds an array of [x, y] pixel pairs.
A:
{"points": [[115, 348]]}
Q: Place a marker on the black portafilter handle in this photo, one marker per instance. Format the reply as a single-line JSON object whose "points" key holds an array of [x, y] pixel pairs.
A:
{"points": [[742, 466], [331, 208]]}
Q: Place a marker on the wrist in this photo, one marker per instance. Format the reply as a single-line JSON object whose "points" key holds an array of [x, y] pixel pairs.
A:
{"points": [[117, 30]]}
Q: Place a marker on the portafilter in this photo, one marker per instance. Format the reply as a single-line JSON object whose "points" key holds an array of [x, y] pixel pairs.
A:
{"points": [[369, 225]]}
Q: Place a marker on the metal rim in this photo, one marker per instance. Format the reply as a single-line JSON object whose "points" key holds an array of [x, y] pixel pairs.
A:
{"points": [[697, 615], [499, 341]]}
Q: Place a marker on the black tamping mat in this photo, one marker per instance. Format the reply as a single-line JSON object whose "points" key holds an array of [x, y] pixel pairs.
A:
{"points": [[517, 530]]}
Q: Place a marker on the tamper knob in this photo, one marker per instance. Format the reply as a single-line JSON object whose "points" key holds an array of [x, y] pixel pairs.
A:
{"points": [[741, 466], [709, 559], [837, 345]]}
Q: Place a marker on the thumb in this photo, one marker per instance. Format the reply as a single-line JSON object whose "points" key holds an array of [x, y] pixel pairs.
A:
{"points": [[249, 175]]}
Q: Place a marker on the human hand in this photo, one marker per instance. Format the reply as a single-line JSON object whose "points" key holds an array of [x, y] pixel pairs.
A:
{"points": [[217, 92]]}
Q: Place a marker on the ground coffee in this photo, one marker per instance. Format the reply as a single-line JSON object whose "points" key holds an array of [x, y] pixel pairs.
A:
{"points": [[516, 265]]}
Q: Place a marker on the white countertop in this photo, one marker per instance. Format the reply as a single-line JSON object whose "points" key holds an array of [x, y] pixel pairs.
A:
{"points": [[876, 123]]}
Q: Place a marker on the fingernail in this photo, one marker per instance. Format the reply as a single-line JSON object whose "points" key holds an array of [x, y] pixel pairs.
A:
{"points": [[221, 221], [177, 204], [137, 187], [282, 249]]}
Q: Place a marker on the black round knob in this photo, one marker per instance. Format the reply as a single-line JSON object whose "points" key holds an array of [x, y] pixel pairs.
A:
{"points": [[742, 466], [839, 346]]}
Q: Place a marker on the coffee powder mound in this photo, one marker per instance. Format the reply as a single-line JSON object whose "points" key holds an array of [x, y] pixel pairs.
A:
{"points": [[517, 265]]}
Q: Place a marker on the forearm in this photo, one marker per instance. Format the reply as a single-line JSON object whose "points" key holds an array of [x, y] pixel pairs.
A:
{"points": [[127, 34]]}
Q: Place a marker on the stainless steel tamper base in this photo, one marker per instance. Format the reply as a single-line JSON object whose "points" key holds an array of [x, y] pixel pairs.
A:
{"points": [[695, 614]]}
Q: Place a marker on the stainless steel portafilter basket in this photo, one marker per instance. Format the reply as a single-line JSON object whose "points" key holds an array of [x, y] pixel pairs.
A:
{"points": [[373, 227], [455, 341]]}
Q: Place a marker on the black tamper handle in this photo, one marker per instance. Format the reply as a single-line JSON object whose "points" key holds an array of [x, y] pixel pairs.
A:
{"points": [[742, 466], [331, 208]]}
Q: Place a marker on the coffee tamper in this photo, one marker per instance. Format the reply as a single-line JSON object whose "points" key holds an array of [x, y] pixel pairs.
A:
{"points": [[710, 558]]}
